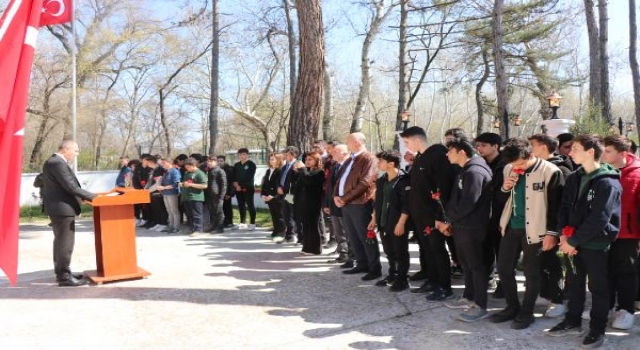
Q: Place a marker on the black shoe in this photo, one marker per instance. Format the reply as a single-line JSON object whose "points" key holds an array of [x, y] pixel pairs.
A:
{"points": [[523, 321], [593, 340], [71, 281], [347, 265], [565, 328], [229, 226], [504, 315], [440, 294], [457, 272], [357, 269], [399, 285], [498, 293], [338, 260], [386, 281], [420, 275], [426, 287], [371, 276], [149, 224], [64, 277]]}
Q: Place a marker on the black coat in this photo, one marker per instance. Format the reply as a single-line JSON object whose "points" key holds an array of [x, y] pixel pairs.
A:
{"points": [[61, 189], [332, 180], [431, 172], [216, 183], [228, 171], [270, 185], [309, 185], [397, 203], [498, 200], [563, 163], [469, 206]]}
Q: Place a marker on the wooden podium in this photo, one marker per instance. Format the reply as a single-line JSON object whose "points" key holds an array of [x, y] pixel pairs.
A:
{"points": [[115, 234]]}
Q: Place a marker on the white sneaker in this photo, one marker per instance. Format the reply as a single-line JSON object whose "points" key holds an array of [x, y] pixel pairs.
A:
{"points": [[277, 239], [162, 227], [555, 310], [154, 228], [637, 305], [586, 315], [141, 223], [252, 227], [623, 320], [461, 303]]}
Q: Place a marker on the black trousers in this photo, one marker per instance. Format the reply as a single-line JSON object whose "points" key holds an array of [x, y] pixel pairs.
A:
{"points": [[279, 226], [137, 211], [355, 218], [158, 210], [490, 250], [312, 235], [193, 209], [592, 265], [397, 250], [423, 250], [551, 277], [216, 216], [623, 273], [64, 236], [245, 200], [438, 266], [470, 252], [289, 220], [227, 209], [512, 243]]}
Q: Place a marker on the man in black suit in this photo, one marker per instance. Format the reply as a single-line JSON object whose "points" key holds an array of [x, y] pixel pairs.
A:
{"points": [[294, 229], [61, 198]]}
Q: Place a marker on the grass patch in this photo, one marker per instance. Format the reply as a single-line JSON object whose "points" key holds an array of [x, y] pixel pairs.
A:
{"points": [[263, 217]]}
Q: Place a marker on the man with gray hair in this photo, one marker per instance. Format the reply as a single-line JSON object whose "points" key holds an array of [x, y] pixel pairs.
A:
{"points": [[340, 155], [61, 198], [354, 194]]}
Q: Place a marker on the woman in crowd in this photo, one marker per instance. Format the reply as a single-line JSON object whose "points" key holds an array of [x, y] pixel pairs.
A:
{"points": [[310, 181], [270, 196]]}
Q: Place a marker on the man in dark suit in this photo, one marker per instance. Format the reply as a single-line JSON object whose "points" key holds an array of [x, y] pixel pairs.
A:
{"points": [[354, 194], [340, 155], [294, 230], [61, 198]]}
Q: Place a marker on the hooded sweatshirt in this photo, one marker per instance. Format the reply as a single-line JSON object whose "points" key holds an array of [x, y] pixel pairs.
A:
{"points": [[591, 205], [563, 163], [469, 206]]}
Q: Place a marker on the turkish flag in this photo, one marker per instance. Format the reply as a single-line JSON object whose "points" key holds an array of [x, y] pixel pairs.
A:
{"points": [[18, 34], [56, 12]]}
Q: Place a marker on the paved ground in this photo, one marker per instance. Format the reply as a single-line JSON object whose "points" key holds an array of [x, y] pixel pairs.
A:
{"points": [[236, 291]]}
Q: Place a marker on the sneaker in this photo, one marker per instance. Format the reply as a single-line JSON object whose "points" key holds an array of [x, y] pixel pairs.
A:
{"points": [[555, 310], [637, 305], [166, 230], [593, 340], [292, 240], [251, 227], [586, 314], [460, 303], [504, 315], [523, 321], [440, 294], [141, 223], [155, 227], [473, 313], [623, 320], [193, 234], [161, 228], [175, 230], [242, 226], [399, 285], [278, 239], [565, 328]]}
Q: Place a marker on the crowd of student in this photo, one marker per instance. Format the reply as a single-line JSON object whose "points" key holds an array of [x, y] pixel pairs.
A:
{"points": [[568, 207]]}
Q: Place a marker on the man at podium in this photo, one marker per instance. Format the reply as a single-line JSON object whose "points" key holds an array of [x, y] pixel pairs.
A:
{"points": [[61, 199]]}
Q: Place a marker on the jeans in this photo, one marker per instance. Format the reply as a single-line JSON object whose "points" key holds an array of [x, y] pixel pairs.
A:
{"points": [[194, 214], [173, 209]]}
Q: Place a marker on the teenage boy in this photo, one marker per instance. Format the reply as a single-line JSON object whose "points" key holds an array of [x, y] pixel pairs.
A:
{"points": [[468, 212], [392, 193], [488, 147], [544, 147], [227, 209], [431, 173], [170, 194], [194, 181], [214, 195], [589, 219], [533, 188], [244, 172], [623, 277]]}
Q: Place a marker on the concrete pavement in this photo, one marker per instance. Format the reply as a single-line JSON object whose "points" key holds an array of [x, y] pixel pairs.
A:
{"points": [[237, 291]]}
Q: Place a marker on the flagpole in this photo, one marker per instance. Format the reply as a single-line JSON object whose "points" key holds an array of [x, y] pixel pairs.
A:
{"points": [[74, 91]]}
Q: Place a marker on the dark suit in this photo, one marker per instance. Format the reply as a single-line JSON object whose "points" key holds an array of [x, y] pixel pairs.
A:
{"points": [[270, 188], [61, 191], [285, 182]]}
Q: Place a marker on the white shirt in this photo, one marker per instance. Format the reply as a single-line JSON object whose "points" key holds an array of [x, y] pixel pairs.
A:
{"points": [[343, 179]]}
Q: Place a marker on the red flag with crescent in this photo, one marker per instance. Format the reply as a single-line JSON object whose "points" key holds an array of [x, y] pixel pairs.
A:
{"points": [[55, 12], [18, 33]]}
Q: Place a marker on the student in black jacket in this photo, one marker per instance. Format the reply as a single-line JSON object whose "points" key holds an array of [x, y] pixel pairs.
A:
{"points": [[214, 194], [431, 173], [468, 212], [269, 193], [392, 195], [227, 209], [589, 220], [244, 173]]}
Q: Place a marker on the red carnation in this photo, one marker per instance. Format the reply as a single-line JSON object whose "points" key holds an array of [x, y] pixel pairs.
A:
{"points": [[518, 171], [189, 181], [568, 231], [143, 183], [371, 237], [435, 195], [428, 230]]}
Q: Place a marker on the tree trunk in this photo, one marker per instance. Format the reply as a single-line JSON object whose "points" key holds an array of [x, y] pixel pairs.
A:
{"points": [[304, 121], [603, 17], [293, 65], [478, 92], [327, 117], [633, 58], [501, 77], [403, 77], [595, 94], [163, 121], [215, 68]]}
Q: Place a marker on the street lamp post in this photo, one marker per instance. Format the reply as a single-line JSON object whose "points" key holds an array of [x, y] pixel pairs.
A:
{"points": [[554, 104]]}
